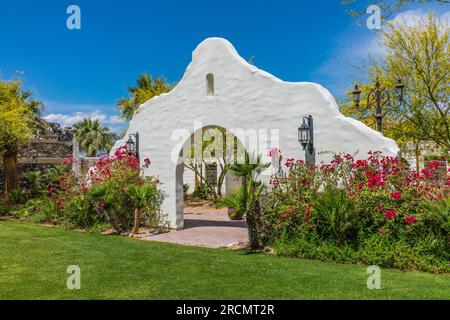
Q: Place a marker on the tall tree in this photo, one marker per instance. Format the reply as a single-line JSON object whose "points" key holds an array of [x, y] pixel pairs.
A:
{"points": [[418, 54], [93, 137], [19, 114], [145, 89]]}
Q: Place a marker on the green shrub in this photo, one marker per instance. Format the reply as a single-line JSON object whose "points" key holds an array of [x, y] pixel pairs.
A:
{"points": [[4, 210], [370, 211], [335, 215], [202, 192], [376, 250], [35, 182], [237, 200], [123, 194], [308, 245], [41, 210], [386, 252], [18, 196], [110, 194], [79, 212], [436, 218]]}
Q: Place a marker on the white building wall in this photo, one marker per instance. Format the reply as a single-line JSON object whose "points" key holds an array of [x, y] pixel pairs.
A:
{"points": [[246, 98], [189, 179]]}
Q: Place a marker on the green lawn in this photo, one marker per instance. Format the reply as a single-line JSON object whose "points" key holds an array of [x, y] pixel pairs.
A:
{"points": [[34, 259]]}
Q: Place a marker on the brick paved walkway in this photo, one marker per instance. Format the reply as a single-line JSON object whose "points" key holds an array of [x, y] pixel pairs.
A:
{"points": [[206, 227]]}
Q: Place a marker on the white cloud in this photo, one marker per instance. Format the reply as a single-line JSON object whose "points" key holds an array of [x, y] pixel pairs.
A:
{"points": [[67, 114], [68, 120], [445, 18], [52, 106], [116, 120], [412, 17]]}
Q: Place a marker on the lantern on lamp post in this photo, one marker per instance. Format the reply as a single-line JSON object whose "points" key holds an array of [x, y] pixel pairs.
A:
{"points": [[378, 98]]}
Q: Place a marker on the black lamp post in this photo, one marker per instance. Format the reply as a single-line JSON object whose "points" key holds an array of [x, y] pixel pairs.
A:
{"points": [[306, 139], [377, 99], [133, 145]]}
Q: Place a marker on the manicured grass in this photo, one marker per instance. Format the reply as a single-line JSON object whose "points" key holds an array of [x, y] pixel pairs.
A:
{"points": [[34, 259]]}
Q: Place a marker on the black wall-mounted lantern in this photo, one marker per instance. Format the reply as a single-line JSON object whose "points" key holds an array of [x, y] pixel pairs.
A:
{"points": [[133, 145], [306, 139]]}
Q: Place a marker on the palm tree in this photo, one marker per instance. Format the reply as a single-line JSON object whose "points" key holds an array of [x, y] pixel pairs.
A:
{"points": [[144, 90], [92, 136], [249, 193], [140, 195], [250, 169]]}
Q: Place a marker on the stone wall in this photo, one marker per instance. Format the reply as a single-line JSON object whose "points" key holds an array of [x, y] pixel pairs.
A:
{"points": [[49, 148], [428, 150]]}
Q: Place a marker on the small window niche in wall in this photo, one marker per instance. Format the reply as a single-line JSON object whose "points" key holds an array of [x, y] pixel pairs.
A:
{"points": [[210, 84]]}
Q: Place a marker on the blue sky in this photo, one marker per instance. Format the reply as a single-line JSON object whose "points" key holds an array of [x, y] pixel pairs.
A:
{"points": [[83, 72]]}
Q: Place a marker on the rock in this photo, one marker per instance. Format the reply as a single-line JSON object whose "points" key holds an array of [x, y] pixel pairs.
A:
{"points": [[109, 232], [238, 245], [268, 250]]}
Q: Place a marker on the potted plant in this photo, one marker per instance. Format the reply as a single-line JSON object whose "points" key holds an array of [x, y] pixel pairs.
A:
{"points": [[236, 203]]}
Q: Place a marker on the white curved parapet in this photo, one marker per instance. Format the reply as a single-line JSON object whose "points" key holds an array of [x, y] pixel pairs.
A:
{"points": [[241, 98]]}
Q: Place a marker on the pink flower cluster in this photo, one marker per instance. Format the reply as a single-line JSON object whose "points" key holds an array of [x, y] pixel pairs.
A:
{"points": [[121, 160], [390, 214], [411, 219]]}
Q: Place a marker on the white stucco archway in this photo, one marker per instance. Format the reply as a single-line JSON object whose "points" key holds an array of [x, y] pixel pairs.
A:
{"points": [[220, 89]]}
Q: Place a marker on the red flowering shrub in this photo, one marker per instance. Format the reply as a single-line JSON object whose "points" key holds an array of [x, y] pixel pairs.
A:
{"points": [[114, 183], [382, 198], [101, 195]]}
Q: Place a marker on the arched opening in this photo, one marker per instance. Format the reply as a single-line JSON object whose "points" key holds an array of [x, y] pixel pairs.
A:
{"points": [[210, 84], [203, 177]]}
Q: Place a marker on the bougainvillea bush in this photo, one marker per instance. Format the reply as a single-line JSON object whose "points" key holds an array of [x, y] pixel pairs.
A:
{"points": [[373, 211], [123, 193], [113, 192]]}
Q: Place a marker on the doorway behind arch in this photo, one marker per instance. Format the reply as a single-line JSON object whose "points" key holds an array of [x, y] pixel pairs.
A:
{"points": [[204, 224]]}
